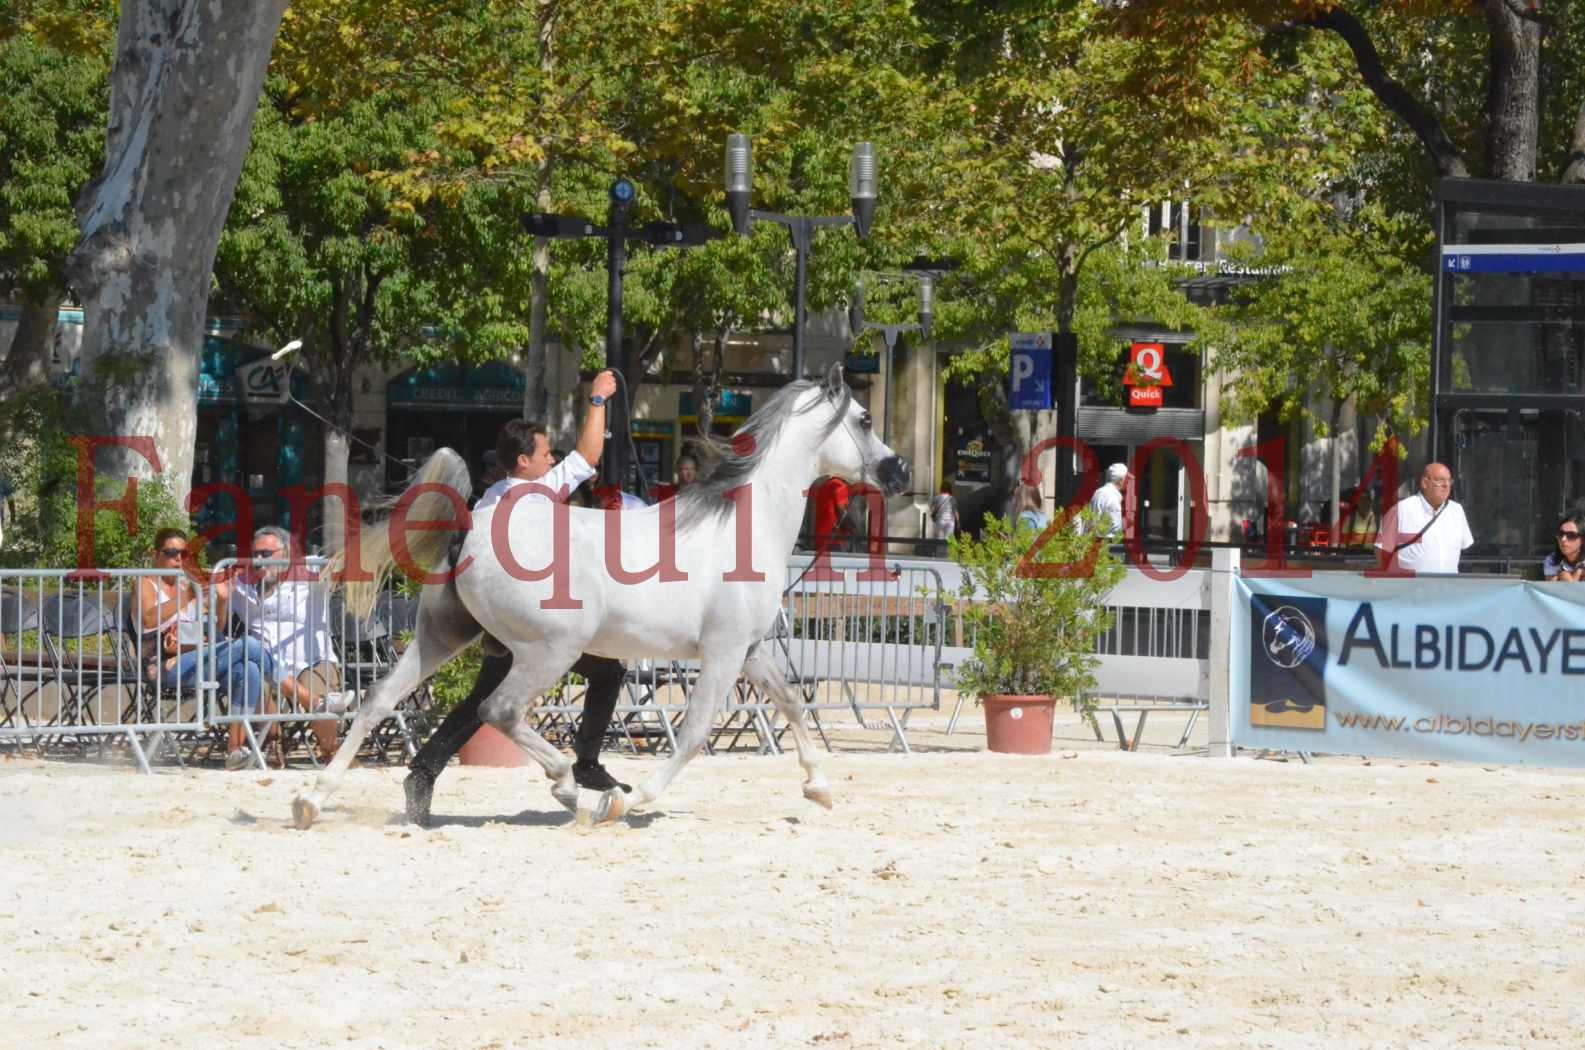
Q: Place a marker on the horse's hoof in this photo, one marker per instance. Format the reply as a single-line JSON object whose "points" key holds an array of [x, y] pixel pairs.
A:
{"points": [[612, 805], [820, 795], [304, 813]]}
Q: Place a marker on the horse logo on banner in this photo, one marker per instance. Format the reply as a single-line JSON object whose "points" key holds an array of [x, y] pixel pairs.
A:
{"points": [[1287, 662]]}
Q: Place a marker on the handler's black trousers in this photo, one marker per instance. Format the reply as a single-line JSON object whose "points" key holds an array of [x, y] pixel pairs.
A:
{"points": [[599, 702]]}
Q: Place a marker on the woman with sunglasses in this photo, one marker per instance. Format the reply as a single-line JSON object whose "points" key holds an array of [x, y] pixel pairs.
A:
{"points": [[1567, 563], [171, 637]]}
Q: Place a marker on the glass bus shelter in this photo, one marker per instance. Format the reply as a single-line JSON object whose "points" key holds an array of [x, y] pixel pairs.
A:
{"points": [[1508, 364]]}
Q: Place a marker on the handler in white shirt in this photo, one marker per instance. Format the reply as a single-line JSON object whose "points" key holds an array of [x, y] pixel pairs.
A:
{"points": [[525, 449], [1427, 532], [540, 467]]}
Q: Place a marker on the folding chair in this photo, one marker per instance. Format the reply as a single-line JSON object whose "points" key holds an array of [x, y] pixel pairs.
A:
{"points": [[398, 612], [148, 701], [367, 652], [18, 614], [67, 623], [641, 683]]}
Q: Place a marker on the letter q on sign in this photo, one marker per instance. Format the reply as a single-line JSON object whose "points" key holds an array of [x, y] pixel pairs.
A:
{"points": [[1147, 365]]}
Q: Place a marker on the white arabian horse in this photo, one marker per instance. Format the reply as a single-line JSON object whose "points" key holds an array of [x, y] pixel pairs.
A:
{"points": [[731, 537]]}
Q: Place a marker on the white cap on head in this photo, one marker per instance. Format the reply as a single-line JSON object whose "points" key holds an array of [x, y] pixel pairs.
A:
{"points": [[1117, 472]]}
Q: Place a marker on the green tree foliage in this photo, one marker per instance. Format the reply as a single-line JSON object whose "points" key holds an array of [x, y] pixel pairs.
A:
{"points": [[52, 115], [52, 111], [1045, 135], [39, 463]]}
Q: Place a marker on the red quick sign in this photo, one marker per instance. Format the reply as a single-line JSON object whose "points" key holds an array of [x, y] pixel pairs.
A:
{"points": [[1147, 375]]}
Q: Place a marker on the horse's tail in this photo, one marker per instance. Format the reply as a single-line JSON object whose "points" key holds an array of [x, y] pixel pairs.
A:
{"points": [[372, 547]]}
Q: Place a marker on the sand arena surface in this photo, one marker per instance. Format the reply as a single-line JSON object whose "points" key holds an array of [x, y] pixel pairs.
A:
{"points": [[952, 899]]}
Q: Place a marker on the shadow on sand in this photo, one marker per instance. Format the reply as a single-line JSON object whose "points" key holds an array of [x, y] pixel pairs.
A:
{"points": [[529, 818]]}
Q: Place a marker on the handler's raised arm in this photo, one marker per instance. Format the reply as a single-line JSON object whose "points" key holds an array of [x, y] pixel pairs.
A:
{"points": [[591, 439]]}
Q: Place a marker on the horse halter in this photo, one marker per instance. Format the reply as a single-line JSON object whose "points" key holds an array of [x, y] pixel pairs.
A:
{"points": [[864, 459], [874, 468]]}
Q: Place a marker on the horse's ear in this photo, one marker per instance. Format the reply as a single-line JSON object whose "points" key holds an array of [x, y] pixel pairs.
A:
{"points": [[834, 381]]}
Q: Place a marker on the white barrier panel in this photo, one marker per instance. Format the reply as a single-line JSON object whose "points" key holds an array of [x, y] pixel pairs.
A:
{"points": [[1456, 668]]}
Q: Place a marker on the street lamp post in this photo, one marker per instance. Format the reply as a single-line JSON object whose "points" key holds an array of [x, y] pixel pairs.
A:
{"points": [[616, 410], [801, 228], [889, 333], [617, 232]]}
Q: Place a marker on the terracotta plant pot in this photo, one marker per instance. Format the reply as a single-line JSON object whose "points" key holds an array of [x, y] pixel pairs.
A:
{"points": [[491, 747], [1018, 725]]}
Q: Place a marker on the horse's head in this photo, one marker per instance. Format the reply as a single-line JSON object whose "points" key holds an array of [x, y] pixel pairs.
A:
{"points": [[851, 451]]}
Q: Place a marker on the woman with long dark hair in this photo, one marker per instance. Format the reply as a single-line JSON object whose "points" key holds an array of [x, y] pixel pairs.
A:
{"points": [[1567, 563], [172, 637]]}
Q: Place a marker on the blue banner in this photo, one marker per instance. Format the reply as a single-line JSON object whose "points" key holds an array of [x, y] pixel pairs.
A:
{"points": [[1029, 373], [1513, 258], [1461, 669]]}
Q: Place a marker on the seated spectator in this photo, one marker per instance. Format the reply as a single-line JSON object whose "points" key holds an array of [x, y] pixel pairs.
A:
{"points": [[285, 609], [1566, 564], [171, 640]]}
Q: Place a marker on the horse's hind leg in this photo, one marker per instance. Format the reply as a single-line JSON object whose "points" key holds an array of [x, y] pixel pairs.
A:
{"points": [[532, 675], [716, 675], [762, 671], [433, 644]]}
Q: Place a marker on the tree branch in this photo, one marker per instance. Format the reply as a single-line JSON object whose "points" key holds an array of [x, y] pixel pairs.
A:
{"points": [[1392, 94]]}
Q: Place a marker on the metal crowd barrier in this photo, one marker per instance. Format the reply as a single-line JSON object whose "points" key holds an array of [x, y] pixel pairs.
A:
{"points": [[78, 671], [848, 638], [323, 658], [1155, 656]]}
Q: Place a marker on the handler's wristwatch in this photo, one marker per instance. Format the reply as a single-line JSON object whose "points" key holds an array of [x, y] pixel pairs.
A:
{"points": [[597, 400]]}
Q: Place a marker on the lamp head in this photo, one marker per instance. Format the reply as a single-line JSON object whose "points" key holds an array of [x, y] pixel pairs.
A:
{"points": [[290, 348], [862, 187], [739, 178]]}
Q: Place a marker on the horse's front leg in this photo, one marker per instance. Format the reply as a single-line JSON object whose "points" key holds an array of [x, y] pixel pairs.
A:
{"points": [[762, 671], [716, 675]]}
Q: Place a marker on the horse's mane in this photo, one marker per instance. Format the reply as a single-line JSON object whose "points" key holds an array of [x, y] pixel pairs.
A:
{"points": [[707, 501]]}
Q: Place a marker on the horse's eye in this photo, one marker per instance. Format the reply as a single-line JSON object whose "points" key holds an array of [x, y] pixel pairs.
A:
{"points": [[864, 420]]}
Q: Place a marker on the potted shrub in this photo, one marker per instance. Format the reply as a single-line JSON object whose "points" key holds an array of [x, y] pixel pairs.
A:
{"points": [[488, 746], [450, 687], [1033, 606]]}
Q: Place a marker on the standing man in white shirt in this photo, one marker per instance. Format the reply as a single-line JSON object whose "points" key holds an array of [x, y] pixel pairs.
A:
{"points": [[1426, 532], [524, 449], [1108, 500]]}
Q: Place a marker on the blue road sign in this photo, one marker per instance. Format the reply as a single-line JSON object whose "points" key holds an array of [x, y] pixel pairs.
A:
{"points": [[1029, 375]]}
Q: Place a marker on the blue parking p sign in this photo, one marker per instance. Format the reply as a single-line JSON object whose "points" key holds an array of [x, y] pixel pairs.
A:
{"points": [[1029, 373]]}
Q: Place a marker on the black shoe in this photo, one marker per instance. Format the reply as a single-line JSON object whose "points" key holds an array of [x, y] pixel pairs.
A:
{"points": [[592, 775], [420, 788]]}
